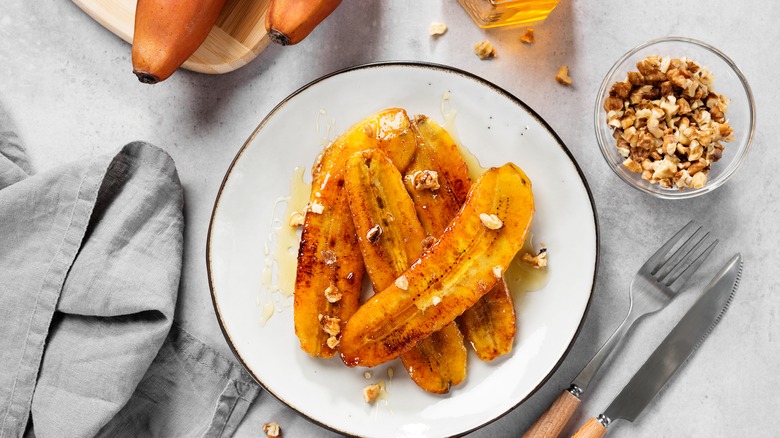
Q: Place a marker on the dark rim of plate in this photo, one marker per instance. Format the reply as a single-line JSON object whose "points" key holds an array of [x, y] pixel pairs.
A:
{"points": [[415, 64]]}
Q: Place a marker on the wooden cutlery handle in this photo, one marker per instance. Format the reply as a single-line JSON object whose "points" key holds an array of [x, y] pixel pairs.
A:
{"points": [[592, 429], [554, 419]]}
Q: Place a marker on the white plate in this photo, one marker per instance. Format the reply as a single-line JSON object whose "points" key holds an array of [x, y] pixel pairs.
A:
{"points": [[497, 128]]}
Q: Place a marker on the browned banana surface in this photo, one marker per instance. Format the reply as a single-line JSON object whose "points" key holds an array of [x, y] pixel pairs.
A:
{"points": [[451, 276], [390, 237], [328, 257], [489, 326]]}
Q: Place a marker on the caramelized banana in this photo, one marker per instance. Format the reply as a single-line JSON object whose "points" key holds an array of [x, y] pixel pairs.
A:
{"points": [[329, 261], [489, 325], [450, 276], [390, 237]]}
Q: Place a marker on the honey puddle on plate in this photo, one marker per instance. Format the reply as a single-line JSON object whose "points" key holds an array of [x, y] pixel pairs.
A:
{"points": [[285, 241]]}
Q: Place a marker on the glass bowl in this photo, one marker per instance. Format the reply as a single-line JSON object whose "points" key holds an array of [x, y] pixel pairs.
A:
{"points": [[728, 81]]}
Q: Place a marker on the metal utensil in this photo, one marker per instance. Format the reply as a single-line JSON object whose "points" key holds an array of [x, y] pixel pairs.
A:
{"points": [[675, 349], [655, 284]]}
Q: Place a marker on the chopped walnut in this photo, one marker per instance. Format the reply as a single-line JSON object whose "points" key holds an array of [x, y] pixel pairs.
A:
{"points": [[371, 392], [491, 221], [332, 294], [425, 179], [402, 283], [329, 256], [668, 122], [538, 261], [367, 375], [563, 76], [374, 233], [272, 430], [437, 29], [428, 241], [332, 342], [331, 325], [484, 50], [497, 271], [528, 36], [296, 219], [316, 207]]}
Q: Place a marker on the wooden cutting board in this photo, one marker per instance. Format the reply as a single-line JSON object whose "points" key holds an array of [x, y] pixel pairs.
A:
{"points": [[237, 38]]}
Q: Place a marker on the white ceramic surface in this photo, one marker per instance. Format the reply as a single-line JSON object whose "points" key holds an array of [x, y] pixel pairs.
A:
{"points": [[497, 128]]}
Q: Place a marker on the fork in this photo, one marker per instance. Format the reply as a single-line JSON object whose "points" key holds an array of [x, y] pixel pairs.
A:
{"points": [[656, 283]]}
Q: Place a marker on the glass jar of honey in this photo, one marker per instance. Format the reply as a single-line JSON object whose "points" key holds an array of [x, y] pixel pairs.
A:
{"points": [[495, 13]]}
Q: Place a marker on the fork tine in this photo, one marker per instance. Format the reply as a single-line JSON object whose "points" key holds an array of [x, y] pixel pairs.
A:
{"points": [[654, 262], [675, 284], [685, 250]]}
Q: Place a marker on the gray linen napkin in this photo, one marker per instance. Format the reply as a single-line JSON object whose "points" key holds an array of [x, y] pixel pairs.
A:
{"points": [[90, 261]]}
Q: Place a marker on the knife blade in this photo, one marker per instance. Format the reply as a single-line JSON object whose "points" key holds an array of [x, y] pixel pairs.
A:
{"points": [[674, 350]]}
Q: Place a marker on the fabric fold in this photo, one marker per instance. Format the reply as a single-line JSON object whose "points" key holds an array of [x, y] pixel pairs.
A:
{"points": [[90, 263]]}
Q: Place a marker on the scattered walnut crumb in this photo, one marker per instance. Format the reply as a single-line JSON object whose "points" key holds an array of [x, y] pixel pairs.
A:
{"points": [[436, 300], [437, 29], [333, 342], [296, 219], [319, 317], [329, 256], [668, 122], [371, 392], [331, 325], [528, 36], [538, 261], [484, 50], [491, 221], [332, 294], [428, 241], [498, 271], [425, 179], [374, 233], [402, 283], [563, 76], [316, 207], [368, 129], [367, 375], [272, 430]]}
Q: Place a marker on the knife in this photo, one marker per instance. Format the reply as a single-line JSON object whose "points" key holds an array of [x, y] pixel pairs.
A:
{"points": [[675, 349]]}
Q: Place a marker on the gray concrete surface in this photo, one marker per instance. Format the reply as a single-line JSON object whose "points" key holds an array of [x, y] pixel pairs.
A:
{"points": [[67, 84]]}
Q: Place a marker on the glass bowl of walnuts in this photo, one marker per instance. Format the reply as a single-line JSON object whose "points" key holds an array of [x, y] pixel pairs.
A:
{"points": [[675, 118]]}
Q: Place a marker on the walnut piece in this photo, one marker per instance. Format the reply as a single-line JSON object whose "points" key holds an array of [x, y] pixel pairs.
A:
{"points": [[437, 29], [538, 261], [484, 50], [332, 294], [668, 123], [316, 207], [332, 342], [497, 271], [563, 76], [428, 241], [296, 219], [374, 234], [528, 36], [331, 325], [402, 283], [371, 392], [272, 430], [425, 179], [491, 221]]}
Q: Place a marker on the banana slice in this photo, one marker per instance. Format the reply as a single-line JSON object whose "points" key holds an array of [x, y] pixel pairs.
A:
{"points": [[391, 238], [330, 267], [448, 278]]}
